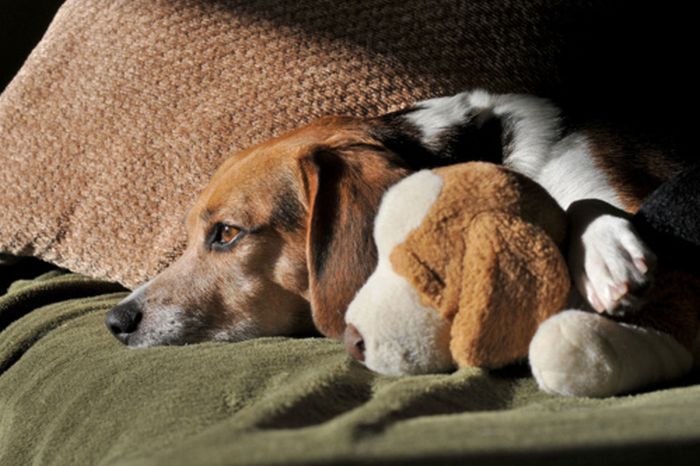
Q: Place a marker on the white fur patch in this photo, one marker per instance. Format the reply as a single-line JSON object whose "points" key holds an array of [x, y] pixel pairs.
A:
{"points": [[535, 129], [570, 174]]}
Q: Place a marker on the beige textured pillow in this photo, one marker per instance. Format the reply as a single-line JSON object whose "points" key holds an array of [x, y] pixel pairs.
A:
{"points": [[125, 108]]}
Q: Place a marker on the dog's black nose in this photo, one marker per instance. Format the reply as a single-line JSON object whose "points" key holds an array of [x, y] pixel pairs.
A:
{"points": [[124, 319]]}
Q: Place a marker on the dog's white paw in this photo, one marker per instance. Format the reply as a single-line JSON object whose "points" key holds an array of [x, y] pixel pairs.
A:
{"points": [[609, 263]]}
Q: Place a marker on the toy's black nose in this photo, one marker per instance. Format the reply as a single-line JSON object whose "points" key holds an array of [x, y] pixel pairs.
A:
{"points": [[124, 320], [354, 343]]}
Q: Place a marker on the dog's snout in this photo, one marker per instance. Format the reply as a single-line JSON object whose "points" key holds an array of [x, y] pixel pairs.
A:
{"points": [[124, 319], [354, 343]]}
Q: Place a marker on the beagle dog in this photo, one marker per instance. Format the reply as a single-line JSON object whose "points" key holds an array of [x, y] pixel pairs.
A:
{"points": [[281, 238]]}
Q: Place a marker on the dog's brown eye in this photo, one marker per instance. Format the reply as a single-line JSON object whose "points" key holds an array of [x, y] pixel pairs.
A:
{"points": [[228, 233], [225, 236]]}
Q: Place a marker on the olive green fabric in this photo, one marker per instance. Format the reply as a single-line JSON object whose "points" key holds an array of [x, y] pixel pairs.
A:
{"points": [[71, 394]]}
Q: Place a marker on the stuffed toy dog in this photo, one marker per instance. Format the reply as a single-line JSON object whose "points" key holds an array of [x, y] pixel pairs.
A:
{"points": [[469, 267]]}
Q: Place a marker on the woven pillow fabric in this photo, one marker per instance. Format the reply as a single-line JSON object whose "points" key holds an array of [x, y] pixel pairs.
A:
{"points": [[125, 108]]}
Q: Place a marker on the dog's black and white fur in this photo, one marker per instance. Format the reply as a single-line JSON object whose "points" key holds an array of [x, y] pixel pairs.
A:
{"points": [[608, 262]]}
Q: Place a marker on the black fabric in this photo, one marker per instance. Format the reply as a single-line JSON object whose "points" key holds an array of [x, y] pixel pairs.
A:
{"points": [[22, 23], [669, 220]]}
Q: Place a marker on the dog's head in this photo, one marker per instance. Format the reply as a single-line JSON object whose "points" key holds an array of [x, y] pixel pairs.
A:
{"points": [[278, 242]]}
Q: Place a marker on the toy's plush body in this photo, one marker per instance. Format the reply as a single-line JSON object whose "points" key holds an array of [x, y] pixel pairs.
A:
{"points": [[469, 267], [481, 263]]}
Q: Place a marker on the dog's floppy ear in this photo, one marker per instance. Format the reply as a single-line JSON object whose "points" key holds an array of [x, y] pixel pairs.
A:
{"points": [[343, 190]]}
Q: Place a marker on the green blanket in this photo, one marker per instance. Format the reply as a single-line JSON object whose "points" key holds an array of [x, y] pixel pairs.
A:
{"points": [[71, 394]]}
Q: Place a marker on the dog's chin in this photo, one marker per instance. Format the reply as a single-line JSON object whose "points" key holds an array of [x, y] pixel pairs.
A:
{"points": [[151, 339], [175, 334], [171, 334]]}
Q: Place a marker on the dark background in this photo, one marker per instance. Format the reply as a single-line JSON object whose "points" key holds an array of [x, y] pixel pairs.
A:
{"points": [[22, 24], [627, 63]]}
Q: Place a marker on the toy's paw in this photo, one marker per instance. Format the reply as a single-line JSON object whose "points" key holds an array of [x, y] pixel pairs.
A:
{"points": [[576, 353], [569, 356], [609, 263]]}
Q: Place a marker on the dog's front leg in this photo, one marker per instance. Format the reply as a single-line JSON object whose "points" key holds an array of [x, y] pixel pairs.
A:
{"points": [[609, 263]]}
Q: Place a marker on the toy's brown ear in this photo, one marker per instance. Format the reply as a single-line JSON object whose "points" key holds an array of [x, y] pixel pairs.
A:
{"points": [[513, 278], [343, 190]]}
